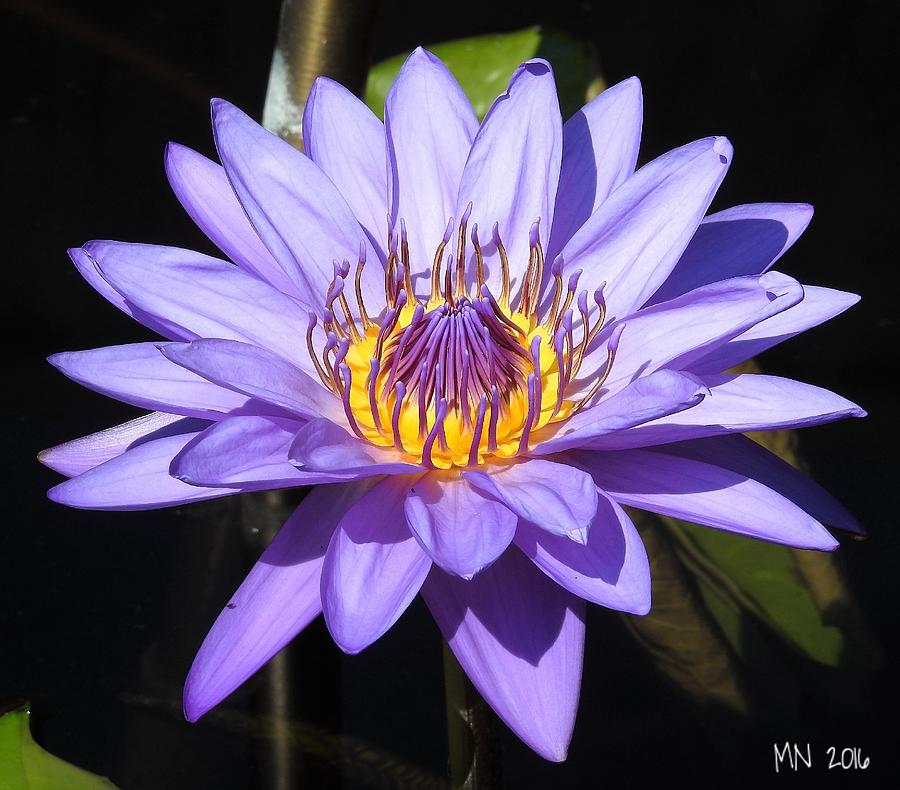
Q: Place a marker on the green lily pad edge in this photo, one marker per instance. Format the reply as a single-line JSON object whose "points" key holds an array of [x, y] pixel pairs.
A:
{"points": [[24, 765]]}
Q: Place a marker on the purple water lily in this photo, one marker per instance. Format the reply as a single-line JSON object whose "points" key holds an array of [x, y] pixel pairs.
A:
{"points": [[478, 342]]}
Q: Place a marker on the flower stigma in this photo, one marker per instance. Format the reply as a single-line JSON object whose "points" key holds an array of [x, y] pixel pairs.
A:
{"points": [[463, 375]]}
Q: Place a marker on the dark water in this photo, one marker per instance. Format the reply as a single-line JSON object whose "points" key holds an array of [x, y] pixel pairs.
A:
{"points": [[101, 612]]}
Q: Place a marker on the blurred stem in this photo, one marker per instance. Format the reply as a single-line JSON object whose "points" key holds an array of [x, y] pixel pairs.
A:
{"points": [[471, 732], [315, 37]]}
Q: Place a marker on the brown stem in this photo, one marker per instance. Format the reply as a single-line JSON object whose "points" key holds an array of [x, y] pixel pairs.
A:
{"points": [[315, 37], [472, 735]]}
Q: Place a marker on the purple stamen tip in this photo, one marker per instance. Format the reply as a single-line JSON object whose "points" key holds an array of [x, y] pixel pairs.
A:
{"points": [[361, 258], [582, 302], [614, 338], [448, 231], [393, 245], [475, 234], [345, 268], [401, 299], [556, 268], [400, 390], [573, 279], [336, 289], [311, 324], [495, 233], [343, 348], [534, 235], [466, 214], [403, 229]]}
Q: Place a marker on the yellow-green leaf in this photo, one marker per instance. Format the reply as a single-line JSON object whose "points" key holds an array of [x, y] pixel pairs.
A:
{"points": [[26, 766]]}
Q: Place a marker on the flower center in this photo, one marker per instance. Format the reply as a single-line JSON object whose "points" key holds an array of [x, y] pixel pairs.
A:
{"points": [[463, 375]]}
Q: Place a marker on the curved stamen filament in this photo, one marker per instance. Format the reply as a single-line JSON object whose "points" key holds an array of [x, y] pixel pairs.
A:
{"points": [[325, 378], [611, 348], [433, 434], [400, 392], [436, 266], [348, 410], [374, 368], [476, 433], [504, 266]]}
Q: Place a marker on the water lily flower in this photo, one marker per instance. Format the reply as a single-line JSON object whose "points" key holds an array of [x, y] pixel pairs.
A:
{"points": [[478, 342]]}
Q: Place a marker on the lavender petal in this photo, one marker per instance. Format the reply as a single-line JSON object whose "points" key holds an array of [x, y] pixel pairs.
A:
{"points": [[520, 639], [555, 497], [373, 567], [738, 241], [138, 479], [667, 480], [345, 139], [600, 148], [459, 529], [611, 569], [277, 600]]}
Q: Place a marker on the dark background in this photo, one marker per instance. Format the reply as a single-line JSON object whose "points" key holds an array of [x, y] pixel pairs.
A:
{"points": [[101, 613]]}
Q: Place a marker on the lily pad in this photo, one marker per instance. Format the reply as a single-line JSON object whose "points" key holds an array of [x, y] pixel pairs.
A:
{"points": [[26, 766], [483, 65]]}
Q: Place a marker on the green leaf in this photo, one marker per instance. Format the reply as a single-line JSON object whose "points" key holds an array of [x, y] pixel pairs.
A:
{"points": [[484, 64], [26, 766], [775, 592]]}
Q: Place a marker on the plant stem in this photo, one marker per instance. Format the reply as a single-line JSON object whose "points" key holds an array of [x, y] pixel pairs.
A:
{"points": [[472, 735]]}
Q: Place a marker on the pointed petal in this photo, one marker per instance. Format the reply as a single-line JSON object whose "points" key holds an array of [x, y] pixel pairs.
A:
{"points": [[430, 126], [345, 139], [520, 639], [513, 169], [739, 403], [204, 191], [667, 480], [322, 446], [138, 479], [276, 601], [661, 394], [675, 334], [635, 238], [257, 373], [89, 269], [461, 530], [373, 567], [818, 306], [556, 497], [205, 297], [744, 456], [600, 148], [246, 452], [139, 374], [296, 210], [738, 241], [611, 569], [77, 456]]}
